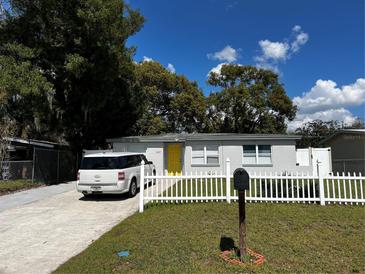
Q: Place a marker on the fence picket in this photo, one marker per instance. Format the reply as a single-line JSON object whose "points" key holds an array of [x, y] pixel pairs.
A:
{"points": [[276, 188], [147, 185], [355, 181], [156, 190], [221, 183], [344, 187], [271, 196], [161, 191], [260, 182], [171, 184], [333, 190], [164, 190], [216, 188], [186, 189], [361, 189], [287, 189], [265, 186], [201, 185], [297, 181], [196, 184], [181, 188], [191, 185], [339, 187], [255, 187], [292, 189], [314, 188], [350, 188], [211, 188], [149, 188], [206, 186]]}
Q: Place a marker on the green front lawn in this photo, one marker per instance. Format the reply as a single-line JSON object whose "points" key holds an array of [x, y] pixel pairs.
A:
{"points": [[186, 239], [10, 186]]}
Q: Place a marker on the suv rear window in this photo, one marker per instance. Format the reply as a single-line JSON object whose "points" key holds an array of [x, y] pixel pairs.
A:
{"points": [[110, 162], [102, 163]]}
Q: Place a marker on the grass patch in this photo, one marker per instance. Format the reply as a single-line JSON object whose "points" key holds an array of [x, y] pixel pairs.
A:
{"points": [[186, 239], [10, 186]]}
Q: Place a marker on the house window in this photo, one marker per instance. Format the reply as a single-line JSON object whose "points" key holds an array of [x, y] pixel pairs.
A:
{"points": [[198, 155], [264, 154], [249, 155], [257, 155], [205, 155]]}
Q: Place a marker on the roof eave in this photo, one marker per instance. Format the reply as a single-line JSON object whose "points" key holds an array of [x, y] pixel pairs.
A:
{"points": [[145, 139]]}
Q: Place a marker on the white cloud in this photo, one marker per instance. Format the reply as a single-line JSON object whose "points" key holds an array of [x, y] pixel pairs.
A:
{"points": [[301, 38], [171, 68], [227, 54], [217, 69], [297, 28], [273, 53], [326, 101], [268, 66], [325, 95], [340, 114], [274, 50], [147, 59], [231, 5]]}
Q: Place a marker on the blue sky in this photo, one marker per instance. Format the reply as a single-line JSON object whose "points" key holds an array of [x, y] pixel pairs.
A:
{"points": [[317, 47]]}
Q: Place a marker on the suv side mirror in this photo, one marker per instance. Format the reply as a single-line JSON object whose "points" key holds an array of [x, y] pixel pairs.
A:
{"points": [[149, 162]]}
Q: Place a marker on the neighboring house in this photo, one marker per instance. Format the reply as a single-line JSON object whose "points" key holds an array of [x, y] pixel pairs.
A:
{"points": [[348, 150], [39, 160], [176, 153]]}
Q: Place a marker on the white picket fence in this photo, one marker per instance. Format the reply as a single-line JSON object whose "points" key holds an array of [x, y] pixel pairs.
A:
{"points": [[274, 188]]}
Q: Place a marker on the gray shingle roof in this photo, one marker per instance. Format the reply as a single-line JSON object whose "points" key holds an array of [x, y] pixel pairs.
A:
{"points": [[202, 137], [341, 131]]}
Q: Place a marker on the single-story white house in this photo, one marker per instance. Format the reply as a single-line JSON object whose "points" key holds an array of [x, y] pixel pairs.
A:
{"points": [[176, 153]]}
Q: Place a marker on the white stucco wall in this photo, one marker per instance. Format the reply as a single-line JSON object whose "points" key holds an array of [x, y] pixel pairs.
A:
{"points": [[283, 155]]}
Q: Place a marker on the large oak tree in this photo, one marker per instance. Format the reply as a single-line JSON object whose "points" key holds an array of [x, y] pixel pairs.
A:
{"points": [[250, 100], [170, 103], [80, 50]]}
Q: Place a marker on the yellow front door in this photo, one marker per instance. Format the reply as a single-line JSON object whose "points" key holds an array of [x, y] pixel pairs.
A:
{"points": [[174, 159]]}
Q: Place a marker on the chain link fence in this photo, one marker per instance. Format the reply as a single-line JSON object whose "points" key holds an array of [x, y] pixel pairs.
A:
{"points": [[48, 165]]}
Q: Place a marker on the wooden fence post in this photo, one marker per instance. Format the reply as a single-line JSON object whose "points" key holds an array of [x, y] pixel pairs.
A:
{"points": [[228, 180], [141, 187]]}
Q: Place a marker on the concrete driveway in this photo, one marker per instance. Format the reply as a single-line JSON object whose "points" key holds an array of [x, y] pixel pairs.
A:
{"points": [[42, 228]]}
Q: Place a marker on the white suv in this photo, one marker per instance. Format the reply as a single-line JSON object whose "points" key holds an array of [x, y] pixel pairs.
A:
{"points": [[111, 172]]}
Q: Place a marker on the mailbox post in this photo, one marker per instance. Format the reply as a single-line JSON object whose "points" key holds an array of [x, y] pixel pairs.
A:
{"points": [[241, 181]]}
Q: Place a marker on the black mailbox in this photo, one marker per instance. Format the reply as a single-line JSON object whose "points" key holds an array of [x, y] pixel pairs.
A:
{"points": [[241, 179]]}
